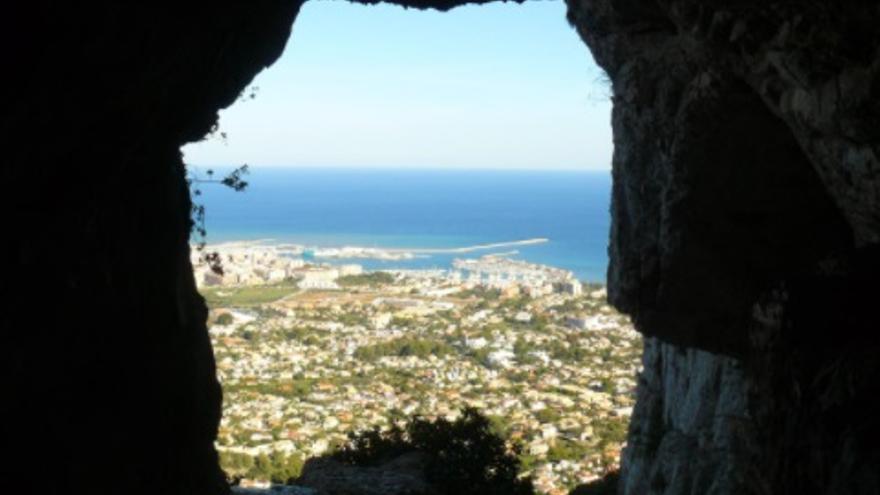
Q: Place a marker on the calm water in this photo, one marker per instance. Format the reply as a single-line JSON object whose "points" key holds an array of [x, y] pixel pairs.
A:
{"points": [[423, 209]]}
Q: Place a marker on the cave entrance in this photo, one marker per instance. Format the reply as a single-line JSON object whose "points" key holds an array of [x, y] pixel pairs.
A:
{"points": [[424, 230]]}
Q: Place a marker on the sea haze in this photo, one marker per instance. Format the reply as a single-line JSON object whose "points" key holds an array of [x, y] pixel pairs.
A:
{"points": [[398, 208]]}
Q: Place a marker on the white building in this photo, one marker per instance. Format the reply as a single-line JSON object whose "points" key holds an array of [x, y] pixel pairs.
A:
{"points": [[323, 278], [351, 269], [523, 317], [276, 275], [380, 321], [572, 287]]}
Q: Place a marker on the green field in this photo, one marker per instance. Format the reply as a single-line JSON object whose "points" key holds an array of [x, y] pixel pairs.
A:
{"points": [[223, 297], [370, 279]]}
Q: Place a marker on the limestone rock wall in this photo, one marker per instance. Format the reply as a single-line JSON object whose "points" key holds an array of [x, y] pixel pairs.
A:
{"points": [[744, 238], [694, 432]]}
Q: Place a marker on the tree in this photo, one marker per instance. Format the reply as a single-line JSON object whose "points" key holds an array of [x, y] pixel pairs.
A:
{"points": [[468, 457], [262, 468], [234, 181]]}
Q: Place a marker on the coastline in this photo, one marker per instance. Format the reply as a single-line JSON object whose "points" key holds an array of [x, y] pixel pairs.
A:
{"points": [[374, 256], [374, 253], [470, 249]]}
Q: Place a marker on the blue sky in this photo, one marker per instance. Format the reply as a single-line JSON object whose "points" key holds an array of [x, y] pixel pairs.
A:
{"points": [[494, 86]]}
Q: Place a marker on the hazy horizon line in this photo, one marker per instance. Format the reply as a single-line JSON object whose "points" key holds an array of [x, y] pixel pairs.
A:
{"points": [[414, 168]]}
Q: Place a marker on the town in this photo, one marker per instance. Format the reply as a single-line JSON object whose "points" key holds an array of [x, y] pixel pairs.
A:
{"points": [[308, 352]]}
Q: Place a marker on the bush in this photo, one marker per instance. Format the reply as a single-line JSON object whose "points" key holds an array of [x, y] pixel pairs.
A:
{"points": [[567, 450], [277, 467], [224, 319], [403, 347], [372, 279], [467, 456], [548, 415]]}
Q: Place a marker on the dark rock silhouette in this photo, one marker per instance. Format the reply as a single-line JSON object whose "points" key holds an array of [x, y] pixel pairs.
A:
{"points": [[746, 223], [108, 373], [403, 475], [607, 485], [745, 240], [424, 457]]}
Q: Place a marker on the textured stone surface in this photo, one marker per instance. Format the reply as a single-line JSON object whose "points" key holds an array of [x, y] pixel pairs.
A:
{"points": [[720, 191], [745, 223], [694, 432], [108, 374], [275, 490], [404, 475]]}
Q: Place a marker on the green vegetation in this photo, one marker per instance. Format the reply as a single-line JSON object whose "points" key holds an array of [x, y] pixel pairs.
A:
{"points": [[481, 293], [234, 181], [277, 467], [522, 351], [295, 388], [481, 356], [514, 303], [225, 319], [403, 322], [611, 431], [371, 279], [315, 356], [569, 306], [564, 449], [245, 296], [467, 456], [300, 334], [547, 415], [352, 319], [571, 353], [404, 346]]}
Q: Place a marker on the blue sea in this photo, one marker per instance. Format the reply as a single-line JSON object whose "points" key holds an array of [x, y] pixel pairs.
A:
{"points": [[396, 208]]}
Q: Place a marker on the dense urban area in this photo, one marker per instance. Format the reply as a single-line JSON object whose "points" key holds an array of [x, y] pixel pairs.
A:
{"points": [[308, 352]]}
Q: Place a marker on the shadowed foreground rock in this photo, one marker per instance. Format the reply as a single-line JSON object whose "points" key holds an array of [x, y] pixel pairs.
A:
{"points": [[404, 475], [746, 221], [275, 490]]}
